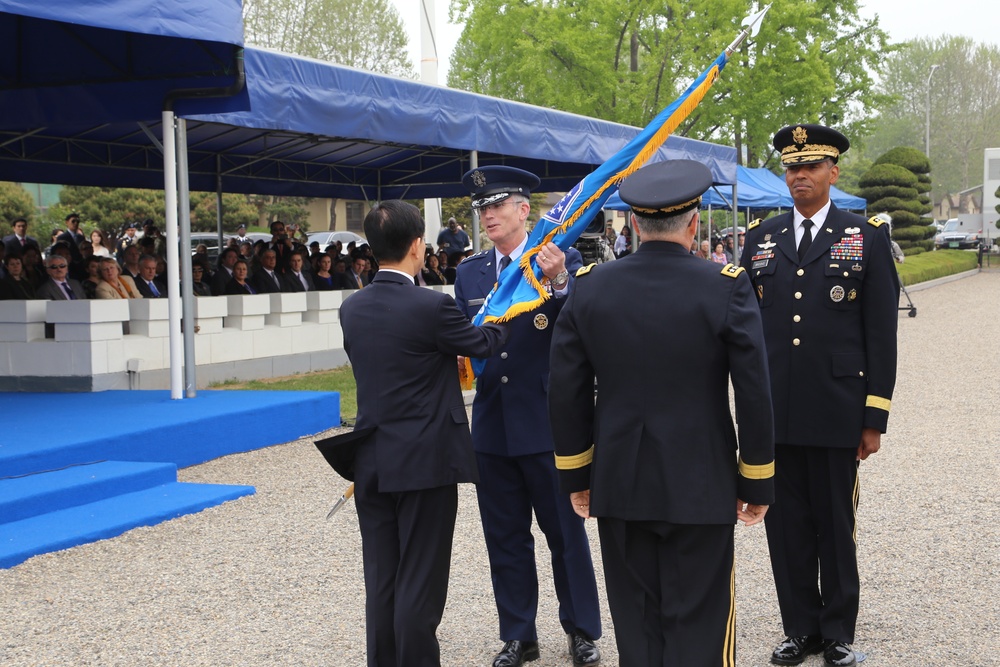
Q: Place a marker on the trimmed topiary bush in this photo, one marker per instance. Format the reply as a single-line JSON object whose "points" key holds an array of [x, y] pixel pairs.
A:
{"points": [[898, 184]]}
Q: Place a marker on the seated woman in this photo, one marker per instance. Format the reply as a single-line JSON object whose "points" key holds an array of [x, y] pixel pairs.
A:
{"points": [[323, 279], [113, 285], [93, 279], [238, 284], [99, 244], [200, 276], [432, 273], [16, 284]]}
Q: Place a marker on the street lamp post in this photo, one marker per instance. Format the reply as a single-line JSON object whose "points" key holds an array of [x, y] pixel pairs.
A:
{"points": [[927, 138]]}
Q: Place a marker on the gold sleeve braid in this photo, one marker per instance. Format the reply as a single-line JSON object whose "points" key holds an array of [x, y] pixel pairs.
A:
{"points": [[575, 461]]}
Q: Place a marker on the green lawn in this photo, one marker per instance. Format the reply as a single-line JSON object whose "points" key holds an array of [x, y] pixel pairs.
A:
{"points": [[339, 379]]}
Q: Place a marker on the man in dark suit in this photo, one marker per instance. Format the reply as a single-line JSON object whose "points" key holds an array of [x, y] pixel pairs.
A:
{"points": [[828, 295], [148, 284], [281, 244], [656, 461], [227, 260], [72, 237], [513, 440], [402, 342], [59, 287], [266, 279], [19, 240], [296, 279]]}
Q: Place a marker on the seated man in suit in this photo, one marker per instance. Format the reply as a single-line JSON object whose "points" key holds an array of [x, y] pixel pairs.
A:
{"points": [[267, 279], [149, 286], [58, 286], [402, 342], [296, 280]]}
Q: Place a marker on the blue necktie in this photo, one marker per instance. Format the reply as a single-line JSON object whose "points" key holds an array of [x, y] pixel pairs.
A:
{"points": [[152, 288]]}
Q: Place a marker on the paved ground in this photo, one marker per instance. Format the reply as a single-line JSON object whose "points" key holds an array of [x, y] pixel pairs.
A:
{"points": [[267, 581]]}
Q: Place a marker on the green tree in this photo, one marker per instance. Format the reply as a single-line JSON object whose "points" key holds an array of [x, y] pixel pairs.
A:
{"points": [[897, 184], [109, 208], [367, 34], [625, 61], [15, 202], [236, 210], [964, 107], [290, 210]]}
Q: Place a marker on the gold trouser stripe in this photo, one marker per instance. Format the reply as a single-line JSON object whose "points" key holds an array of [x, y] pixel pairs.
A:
{"points": [[764, 471], [575, 461], [857, 497], [729, 648], [878, 402]]}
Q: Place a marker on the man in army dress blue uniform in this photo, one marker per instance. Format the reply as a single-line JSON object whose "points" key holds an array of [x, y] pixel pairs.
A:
{"points": [[512, 437], [656, 459], [828, 295]]}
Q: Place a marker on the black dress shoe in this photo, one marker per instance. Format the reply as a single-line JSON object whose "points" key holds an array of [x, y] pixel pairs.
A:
{"points": [[794, 650], [583, 649], [839, 654], [515, 653]]}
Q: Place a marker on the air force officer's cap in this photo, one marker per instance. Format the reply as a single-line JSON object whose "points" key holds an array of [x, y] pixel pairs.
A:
{"points": [[806, 144], [493, 184], [664, 189]]}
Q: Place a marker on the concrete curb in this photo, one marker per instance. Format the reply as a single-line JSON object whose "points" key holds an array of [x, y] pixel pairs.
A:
{"points": [[941, 281]]}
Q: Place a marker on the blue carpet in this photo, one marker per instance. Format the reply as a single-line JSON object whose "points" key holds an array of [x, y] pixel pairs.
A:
{"points": [[49, 431], [75, 468]]}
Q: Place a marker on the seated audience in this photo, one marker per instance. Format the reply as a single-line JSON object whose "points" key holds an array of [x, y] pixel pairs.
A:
{"points": [[130, 262], [296, 279], [93, 279], [59, 286], [432, 274], [148, 285], [238, 283], [323, 279], [115, 285], [16, 285], [267, 280], [99, 243], [224, 272]]}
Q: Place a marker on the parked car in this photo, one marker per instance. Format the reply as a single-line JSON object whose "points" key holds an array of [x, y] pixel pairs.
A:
{"points": [[327, 237], [958, 234]]}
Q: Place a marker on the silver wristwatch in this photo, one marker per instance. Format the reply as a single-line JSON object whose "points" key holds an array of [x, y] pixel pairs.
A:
{"points": [[560, 280]]}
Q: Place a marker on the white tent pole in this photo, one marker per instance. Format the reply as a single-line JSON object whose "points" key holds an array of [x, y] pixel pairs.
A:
{"points": [[474, 164], [429, 74], [187, 289], [173, 276]]}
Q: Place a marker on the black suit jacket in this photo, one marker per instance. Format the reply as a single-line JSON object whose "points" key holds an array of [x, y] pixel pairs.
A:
{"points": [[663, 332], [14, 246], [293, 284], [402, 341], [264, 284], [148, 293], [830, 326]]}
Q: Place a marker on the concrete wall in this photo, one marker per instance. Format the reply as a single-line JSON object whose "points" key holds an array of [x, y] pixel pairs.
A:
{"points": [[237, 337]]}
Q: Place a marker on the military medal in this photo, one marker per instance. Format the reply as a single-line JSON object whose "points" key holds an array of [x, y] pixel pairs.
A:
{"points": [[849, 247], [837, 294], [856, 267], [760, 292], [542, 321], [852, 295], [852, 230]]}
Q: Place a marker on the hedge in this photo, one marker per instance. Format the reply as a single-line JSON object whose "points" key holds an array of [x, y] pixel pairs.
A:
{"points": [[877, 192], [924, 266]]}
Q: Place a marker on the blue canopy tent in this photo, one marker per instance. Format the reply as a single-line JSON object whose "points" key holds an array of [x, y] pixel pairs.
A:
{"points": [[69, 66], [759, 188], [311, 128], [70, 62]]}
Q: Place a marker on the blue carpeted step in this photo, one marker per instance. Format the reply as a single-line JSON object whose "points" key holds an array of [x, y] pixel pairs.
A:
{"points": [[43, 492], [20, 540]]}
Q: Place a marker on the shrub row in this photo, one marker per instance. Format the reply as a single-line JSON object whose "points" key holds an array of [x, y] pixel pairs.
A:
{"points": [[923, 266]]}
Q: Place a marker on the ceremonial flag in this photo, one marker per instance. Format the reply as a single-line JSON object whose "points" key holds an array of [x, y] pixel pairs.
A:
{"points": [[520, 290]]}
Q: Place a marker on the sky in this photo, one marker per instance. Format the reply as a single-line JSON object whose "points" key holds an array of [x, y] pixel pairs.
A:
{"points": [[902, 19]]}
